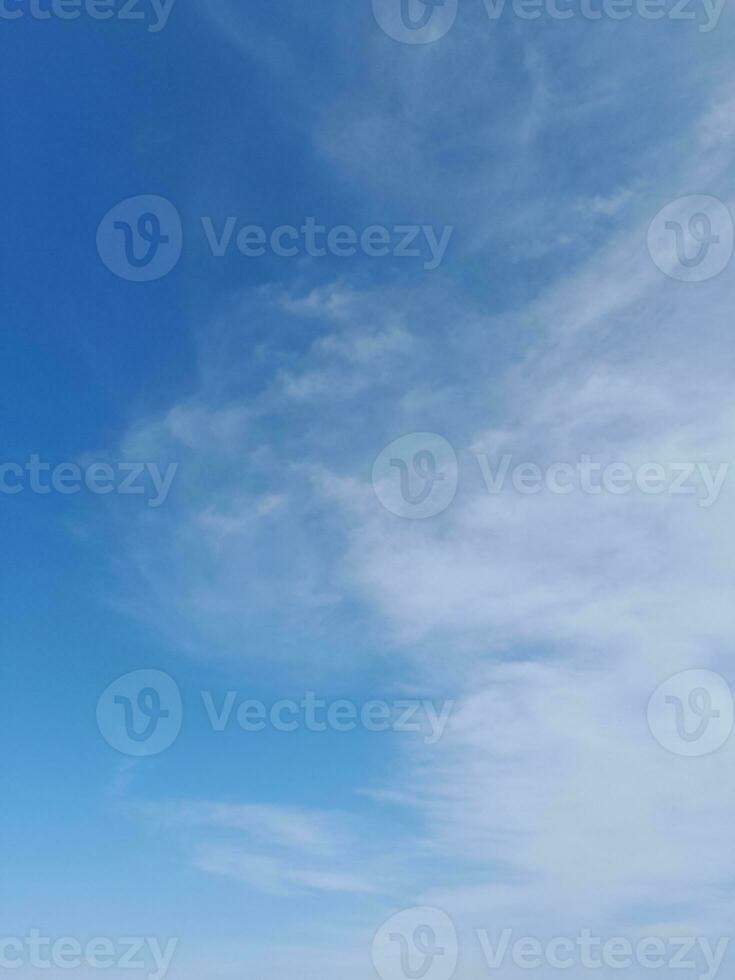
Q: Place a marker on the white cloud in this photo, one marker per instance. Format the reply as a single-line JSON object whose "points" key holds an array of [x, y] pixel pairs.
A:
{"points": [[278, 850], [548, 800]]}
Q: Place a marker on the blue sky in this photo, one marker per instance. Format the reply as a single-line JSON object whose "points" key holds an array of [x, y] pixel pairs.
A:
{"points": [[271, 569]]}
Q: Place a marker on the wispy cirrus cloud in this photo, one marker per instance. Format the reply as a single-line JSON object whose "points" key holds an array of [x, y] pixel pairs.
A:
{"points": [[553, 618], [275, 849]]}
